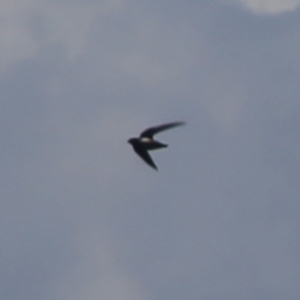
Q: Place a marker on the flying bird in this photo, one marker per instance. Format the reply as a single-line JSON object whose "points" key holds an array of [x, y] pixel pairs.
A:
{"points": [[145, 142]]}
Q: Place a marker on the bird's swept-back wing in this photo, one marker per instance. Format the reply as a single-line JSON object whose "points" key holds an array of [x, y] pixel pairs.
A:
{"points": [[154, 130], [142, 152]]}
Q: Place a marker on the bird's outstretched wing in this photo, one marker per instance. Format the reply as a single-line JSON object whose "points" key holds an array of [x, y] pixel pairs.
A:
{"points": [[143, 153], [154, 130]]}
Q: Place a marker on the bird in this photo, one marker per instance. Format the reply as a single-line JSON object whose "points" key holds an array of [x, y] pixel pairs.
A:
{"points": [[145, 142]]}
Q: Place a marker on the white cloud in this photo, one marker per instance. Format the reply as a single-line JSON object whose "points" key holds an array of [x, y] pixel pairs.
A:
{"points": [[17, 41], [30, 25], [271, 7]]}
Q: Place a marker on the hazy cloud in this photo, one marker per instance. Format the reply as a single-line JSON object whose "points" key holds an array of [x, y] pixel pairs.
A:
{"points": [[271, 7], [29, 26], [82, 217]]}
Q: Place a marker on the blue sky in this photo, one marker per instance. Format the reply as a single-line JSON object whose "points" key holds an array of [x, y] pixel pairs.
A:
{"points": [[82, 217]]}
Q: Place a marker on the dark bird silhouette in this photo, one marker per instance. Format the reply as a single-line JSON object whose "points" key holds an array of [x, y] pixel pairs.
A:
{"points": [[145, 142]]}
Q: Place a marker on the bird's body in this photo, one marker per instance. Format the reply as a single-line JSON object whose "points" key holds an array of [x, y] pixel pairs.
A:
{"points": [[146, 143]]}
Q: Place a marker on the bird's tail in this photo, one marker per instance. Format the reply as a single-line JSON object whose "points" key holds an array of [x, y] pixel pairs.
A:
{"points": [[159, 146]]}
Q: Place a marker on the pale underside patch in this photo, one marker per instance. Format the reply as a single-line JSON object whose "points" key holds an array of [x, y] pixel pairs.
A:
{"points": [[146, 140]]}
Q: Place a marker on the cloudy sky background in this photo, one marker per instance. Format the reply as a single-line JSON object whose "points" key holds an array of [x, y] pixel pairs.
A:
{"points": [[82, 217]]}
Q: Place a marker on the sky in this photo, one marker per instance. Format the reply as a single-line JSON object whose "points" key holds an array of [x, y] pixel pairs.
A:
{"points": [[83, 217]]}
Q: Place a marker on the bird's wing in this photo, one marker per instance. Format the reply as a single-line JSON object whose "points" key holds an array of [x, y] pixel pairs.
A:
{"points": [[142, 152], [154, 130]]}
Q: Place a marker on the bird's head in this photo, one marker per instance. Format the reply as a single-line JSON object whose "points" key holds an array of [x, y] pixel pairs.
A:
{"points": [[132, 141]]}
